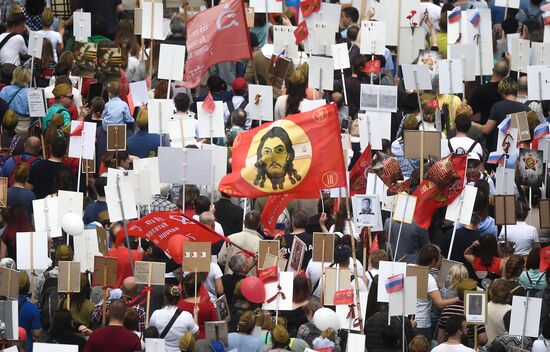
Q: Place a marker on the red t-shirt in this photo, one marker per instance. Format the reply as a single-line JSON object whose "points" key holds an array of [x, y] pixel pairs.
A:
{"points": [[124, 269], [113, 338], [482, 269], [207, 312]]}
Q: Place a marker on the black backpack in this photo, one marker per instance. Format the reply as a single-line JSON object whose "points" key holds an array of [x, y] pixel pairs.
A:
{"points": [[373, 306], [49, 301]]}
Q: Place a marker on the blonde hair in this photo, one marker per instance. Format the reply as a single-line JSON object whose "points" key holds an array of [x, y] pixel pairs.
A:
{"points": [[464, 109], [355, 128], [47, 17], [456, 275], [187, 342], [21, 76], [419, 344], [114, 89]]}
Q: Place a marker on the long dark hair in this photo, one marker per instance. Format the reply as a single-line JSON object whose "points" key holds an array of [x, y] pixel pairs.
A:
{"points": [[487, 250], [296, 93], [62, 324]]}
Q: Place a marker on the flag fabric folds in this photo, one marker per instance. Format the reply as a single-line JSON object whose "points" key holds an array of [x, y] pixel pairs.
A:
{"points": [[358, 173], [395, 283]]}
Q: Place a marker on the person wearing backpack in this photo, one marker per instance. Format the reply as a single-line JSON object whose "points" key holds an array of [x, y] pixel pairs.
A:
{"points": [[10, 142], [532, 279], [12, 44], [29, 316], [240, 89], [16, 96], [31, 153]]}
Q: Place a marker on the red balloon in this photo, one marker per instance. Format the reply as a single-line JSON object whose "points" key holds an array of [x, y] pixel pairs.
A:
{"points": [[253, 289], [175, 247]]}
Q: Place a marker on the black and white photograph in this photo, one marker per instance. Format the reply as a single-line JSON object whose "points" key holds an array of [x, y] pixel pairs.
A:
{"points": [[475, 307], [366, 210]]}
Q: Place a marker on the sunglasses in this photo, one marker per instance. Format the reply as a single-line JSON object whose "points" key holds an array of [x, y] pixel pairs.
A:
{"points": [[69, 97]]}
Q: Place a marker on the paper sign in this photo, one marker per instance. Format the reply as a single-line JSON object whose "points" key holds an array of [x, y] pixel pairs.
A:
{"points": [[9, 315], [32, 250], [540, 54], [249, 12], [505, 210], [373, 127], [37, 102], [462, 207], [421, 273], [529, 320], [343, 311], [335, 279], [279, 294], [375, 186], [340, 56], [475, 307], [417, 77], [85, 143], [329, 14], [273, 6], [321, 39], [148, 14], [267, 247], [520, 54], [323, 247], [82, 26], [260, 104], [308, 105], [505, 181], [297, 255], [378, 97], [49, 347], [509, 4], [36, 40], [161, 111], [45, 213], [373, 38], [538, 84], [405, 205], [450, 76], [444, 271], [410, 44], [105, 271], [321, 73], [171, 62], [432, 144], [86, 247], [366, 211], [155, 345], [356, 342], [138, 90], [219, 161], [149, 273], [466, 53], [398, 305], [222, 309], [387, 269], [283, 39], [69, 277], [10, 283], [152, 166], [544, 214], [196, 256], [273, 260], [193, 166], [116, 137], [115, 203], [277, 69], [211, 125], [69, 202]]}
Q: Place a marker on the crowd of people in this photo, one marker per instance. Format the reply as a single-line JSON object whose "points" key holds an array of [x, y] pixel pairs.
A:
{"points": [[504, 262]]}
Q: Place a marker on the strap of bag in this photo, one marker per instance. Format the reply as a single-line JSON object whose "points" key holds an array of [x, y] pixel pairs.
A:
{"points": [[6, 39], [13, 97], [451, 149], [170, 323], [471, 147]]}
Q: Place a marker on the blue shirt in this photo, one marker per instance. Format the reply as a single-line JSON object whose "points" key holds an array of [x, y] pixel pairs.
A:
{"points": [[9, 166], [247, 343], [29, 318], [143, 144], [116, 112], [20, 103], [22, 197], [93, 211]]}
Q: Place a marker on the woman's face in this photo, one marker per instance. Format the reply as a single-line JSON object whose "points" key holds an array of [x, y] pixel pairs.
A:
{"points": [[125, 164]]}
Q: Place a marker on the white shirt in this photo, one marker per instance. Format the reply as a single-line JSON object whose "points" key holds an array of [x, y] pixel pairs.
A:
{"points": [[14, 47], [161, 317], [210, 283], [314, 272], [463, 143], [217, 227], [445, 347], [54, 38], [523, 235], [541, 345], [424, 306]]}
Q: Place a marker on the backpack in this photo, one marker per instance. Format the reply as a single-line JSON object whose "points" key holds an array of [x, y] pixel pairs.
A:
{"points": [[537, 16], [373, 306], [7, 152], [19, 159], [49, 301]]}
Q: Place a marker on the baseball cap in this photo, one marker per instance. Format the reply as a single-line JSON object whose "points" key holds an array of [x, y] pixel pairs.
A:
{"points": [[239, 85]]}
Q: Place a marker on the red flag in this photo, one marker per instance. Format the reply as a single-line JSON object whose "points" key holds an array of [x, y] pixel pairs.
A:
{"points": [[219, 34], [343, 297], [158, 227], [443, 183], [208, 104], [374, 245], [291, 155], [310, 6], [434, 104], [544, 259], [359, 171], [301, 32], [372, 66], [77, 132], [276, 204]]}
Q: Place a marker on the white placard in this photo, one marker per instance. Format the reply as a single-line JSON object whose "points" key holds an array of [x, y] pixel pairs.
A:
{"points": [[538, 83], [114, 201], [219, 161], [138, 90], [86, 247], [343, 310], [171, 62], [356, 342], [286, 283], [540, 53], [450, 76], [340, 56], [45, 216], [387, 269], [517, 320], [467, 54], [50, 347], [273, 6], [39, 252], [417, 77], [321, 39], [37, 102], [410, 43], [143, 193], [321, 73], [36, 39], [211, 124], [155, 345], [146, 18], [507, 3], [373, 127], [520, 54], [84, 143], [82, 26], [329, 13], [462, 213], [160, 112], [260, 102], [308, 105], [505, 180], [373, 37], [398, 305], [283, 39], [378, 97], [175, 127], [387, 10], [190, 166], [405, 204], [375, 186], [152, 165], [69, 202], [513, 132]]}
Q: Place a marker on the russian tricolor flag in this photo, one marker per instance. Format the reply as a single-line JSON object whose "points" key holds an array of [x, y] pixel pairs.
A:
{"points": [[546, 18], [504, 126], [475, 19], [541, 131], [496, 158], [395, 283], [455, 15]]}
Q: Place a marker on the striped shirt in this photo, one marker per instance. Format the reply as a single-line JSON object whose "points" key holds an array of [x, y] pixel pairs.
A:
{"points": [[457, 309]]}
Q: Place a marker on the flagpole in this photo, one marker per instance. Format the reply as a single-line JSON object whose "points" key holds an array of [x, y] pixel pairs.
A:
{"points": [[80, 159], [459, 210], [124, 223]]}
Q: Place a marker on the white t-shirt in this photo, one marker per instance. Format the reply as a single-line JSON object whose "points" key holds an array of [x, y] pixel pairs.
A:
{"points": [[217, 227], [54, 38], [523, 235], [210, 283], [445, 347], [424, 306], [463, 143], [372, 272], [314, 272], [541, 345], [161, 317], [15, 46]]}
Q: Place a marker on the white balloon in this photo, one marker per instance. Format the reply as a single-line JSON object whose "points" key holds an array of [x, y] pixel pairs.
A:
{"points": [[325, 318], [72, 224]]}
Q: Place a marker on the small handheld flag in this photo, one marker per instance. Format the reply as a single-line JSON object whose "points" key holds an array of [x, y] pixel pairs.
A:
{"points": [[78, 130], [455, 15], [475, 19], [504, 126], [496, 158], [301, 32], [541, 131], [208, 105], [395, 283]]}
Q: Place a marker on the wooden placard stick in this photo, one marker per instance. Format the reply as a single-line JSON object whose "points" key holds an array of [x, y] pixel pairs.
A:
{"points": [[104, 294], [147, 307]]}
